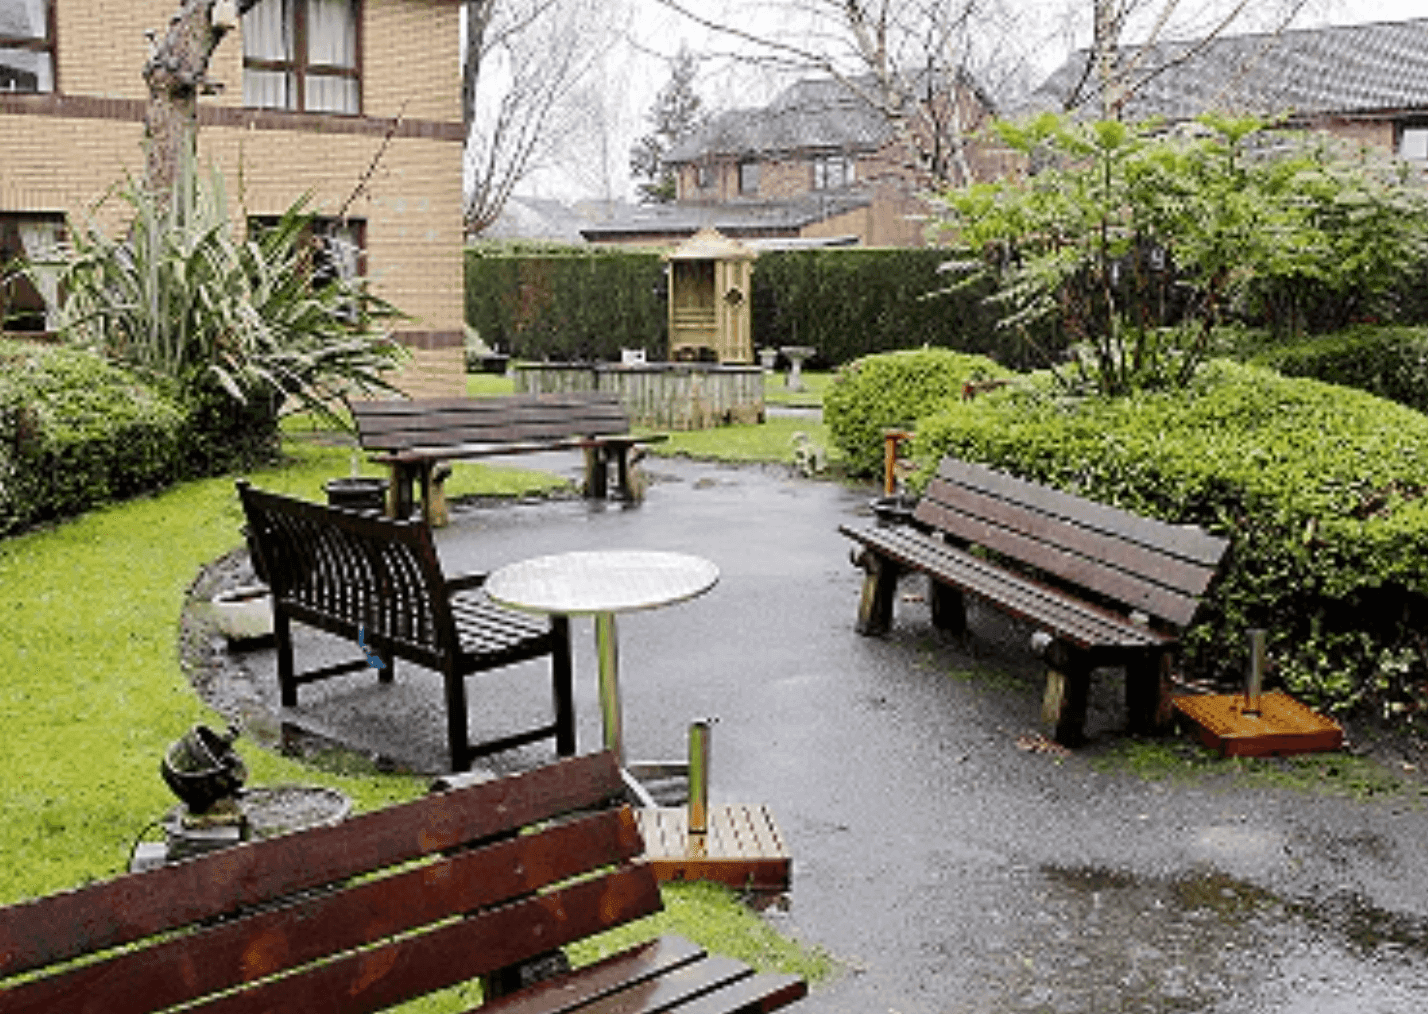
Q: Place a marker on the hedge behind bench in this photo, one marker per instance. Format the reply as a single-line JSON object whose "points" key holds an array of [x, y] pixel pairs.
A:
{"points": [[1319, 487]]}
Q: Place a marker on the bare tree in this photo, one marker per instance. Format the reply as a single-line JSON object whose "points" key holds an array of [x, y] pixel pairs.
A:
{"points": [[923, 65], [525, 62]]}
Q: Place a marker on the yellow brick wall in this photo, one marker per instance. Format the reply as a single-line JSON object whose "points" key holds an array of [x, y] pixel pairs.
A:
{"points": [[102, 49]]}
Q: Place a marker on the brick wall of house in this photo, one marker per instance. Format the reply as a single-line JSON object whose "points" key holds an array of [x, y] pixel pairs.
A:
{"points": [[411, 203]]}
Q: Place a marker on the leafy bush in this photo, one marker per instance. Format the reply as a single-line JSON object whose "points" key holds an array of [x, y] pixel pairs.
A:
{"points": [[1389, 362], [893, 391], [76, 431], [1320, 489]]}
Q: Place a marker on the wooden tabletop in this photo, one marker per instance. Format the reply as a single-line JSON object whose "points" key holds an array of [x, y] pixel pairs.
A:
{"points": [[605, 581]]}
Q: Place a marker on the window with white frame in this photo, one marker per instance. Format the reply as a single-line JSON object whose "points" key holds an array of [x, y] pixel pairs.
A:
{"points": [[29, 302], [302, 55], [832, 171], [27, 46], [1413, 142], [748, 177]]}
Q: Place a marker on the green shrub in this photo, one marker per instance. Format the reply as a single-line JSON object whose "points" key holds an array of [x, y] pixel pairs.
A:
{"points": [[893, 391], [1319, 488], [76, 431], [1391, 362]]}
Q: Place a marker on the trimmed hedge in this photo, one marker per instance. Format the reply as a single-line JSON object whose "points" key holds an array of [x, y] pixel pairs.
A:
{"points": [[1391, 362], [1320, 488], [76, 431], [588, 303], [893, 391]]}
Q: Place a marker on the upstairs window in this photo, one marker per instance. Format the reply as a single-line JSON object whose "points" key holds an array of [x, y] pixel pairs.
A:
{"points": [[748, 177], [27, 46], [1413, 142], [832, 171], [302, 55]]}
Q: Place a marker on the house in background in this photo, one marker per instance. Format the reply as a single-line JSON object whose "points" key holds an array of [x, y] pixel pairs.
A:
{"points": [[1367, 84], [817, 164], [314, 91]]}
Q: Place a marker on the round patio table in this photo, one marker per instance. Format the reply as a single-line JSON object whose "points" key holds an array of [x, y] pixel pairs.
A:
{"points": [[601, 584]]}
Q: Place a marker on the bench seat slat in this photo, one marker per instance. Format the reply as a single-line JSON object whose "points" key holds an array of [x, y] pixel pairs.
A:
{"points": [[128, 908], [1031, 542], [1079, 622], [670, 991], [192, 966], [756, 994], [374, 979], [568, 993], [1186, 541]]}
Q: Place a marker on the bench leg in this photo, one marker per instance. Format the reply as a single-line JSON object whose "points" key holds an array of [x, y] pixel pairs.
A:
{"points": [[875, 608], [457, 736], [597, 475], [1148, 704], [1063, 709], [282, 633], [563, 687], [949, 610]]}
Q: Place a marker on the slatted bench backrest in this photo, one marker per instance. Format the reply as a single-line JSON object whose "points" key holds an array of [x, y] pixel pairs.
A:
{"points": [[448, 867], [394, 426], [1151, 566], [340, 570]]}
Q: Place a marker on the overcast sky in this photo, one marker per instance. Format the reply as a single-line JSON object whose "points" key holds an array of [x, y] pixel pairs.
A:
{"points": [[636, 68]]}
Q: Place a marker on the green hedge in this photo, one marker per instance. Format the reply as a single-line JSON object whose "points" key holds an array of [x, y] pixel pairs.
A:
{"points": [[893, 391], [588, 303], [76, 431], [1391, 362], [1319, 487]]}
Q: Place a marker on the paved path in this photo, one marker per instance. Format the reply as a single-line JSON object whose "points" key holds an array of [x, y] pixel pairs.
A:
{"points": [[948, 870]]}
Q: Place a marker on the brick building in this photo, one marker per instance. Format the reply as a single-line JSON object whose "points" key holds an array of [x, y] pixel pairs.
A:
{"points": [[314, 89], [817, 164]]}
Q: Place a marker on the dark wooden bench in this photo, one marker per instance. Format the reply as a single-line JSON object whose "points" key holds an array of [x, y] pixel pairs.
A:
{"points": [[382, 908], [357, 575], [1102, 586], [412, 436]]}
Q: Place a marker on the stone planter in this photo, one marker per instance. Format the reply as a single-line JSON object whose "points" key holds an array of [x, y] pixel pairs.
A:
{"points": [[358, 493], [244, 616]]}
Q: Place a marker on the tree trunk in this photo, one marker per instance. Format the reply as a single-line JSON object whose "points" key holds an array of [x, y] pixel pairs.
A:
{"points": [[176, 74]]}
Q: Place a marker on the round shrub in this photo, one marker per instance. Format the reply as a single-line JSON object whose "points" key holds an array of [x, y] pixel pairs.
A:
{"points": [[1320, 489], [893, 391], [76, 431]]}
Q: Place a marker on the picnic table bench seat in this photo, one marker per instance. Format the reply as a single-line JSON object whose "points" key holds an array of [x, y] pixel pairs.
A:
{"points": [[1102, 586], [486, 879], [379, 582], [411, 437]]}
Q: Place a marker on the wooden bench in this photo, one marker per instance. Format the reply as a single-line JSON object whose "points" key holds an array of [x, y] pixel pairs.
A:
{"points": [[1102, 586], [385, 907], [361, 576], [412, 436]]}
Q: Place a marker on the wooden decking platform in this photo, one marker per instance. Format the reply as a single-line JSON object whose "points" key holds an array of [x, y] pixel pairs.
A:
{"points": [[743, 847], [1283, 725]]}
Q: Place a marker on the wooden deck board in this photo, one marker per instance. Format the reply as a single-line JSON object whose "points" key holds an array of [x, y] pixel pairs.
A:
{"points": [[1283, 726], [743, 847]]}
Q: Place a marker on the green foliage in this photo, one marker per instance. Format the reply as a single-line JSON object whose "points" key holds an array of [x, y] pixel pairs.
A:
{"points": [[893, 391], [1319, 488], [539, 302], [1391, 362], [183, 297], [1136, 244], [572, 303], [76, 431]]}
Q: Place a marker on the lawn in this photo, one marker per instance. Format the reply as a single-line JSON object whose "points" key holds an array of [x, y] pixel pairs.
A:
{"points": [[94, 691]]}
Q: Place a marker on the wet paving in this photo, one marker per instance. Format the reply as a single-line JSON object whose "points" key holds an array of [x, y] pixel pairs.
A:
{"points": [[946, 869]]}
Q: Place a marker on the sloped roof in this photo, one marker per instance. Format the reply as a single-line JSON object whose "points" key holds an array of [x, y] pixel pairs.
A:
{"points": [[1352, 69], [808, 115], [739, 218]]}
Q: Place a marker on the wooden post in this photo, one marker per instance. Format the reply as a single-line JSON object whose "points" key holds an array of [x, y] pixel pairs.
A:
{"points": [[1068, 688], [879, 588], [1148, 698], [949, 608]]}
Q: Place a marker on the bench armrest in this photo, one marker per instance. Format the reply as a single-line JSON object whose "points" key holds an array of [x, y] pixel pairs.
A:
{"points": [[465, 582]]}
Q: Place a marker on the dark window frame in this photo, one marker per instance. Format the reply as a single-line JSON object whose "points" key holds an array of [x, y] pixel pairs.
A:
{"points": [[749, 176], [11, 247], [846, 168], [49, 45], [300, 68]]}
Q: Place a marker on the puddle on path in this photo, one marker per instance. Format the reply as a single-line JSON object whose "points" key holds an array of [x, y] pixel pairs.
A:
{"points": [[1101, 941]]}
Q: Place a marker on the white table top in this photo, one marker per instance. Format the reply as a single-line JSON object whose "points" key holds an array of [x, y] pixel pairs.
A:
{"points": [[605, 581]]}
